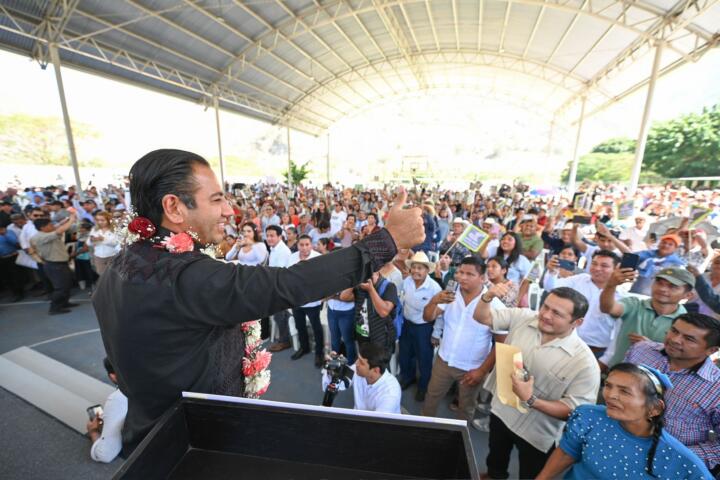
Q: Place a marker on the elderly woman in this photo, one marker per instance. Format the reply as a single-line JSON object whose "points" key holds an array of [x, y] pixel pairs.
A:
{"points": [[625, 439]]}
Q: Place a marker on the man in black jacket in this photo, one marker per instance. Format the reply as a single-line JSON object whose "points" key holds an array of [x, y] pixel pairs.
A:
{"points": [[169, 314]]}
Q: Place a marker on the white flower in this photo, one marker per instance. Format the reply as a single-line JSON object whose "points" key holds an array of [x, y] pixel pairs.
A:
{"points": [[257, 383]]}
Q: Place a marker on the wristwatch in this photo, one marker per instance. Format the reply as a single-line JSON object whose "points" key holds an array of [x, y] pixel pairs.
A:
{"points": [[530, 401], [482, 297]]}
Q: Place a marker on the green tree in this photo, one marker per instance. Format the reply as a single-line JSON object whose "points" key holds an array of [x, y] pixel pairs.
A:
{"points": [[608, 167], [29, 139], [688, 146], [616, 145], [297, 173]]}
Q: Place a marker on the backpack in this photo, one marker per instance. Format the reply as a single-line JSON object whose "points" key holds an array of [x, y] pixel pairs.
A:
{"points": [[398, 320]]}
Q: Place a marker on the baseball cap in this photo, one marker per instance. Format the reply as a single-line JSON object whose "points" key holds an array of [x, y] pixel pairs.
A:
{"points": [[527, 218], [677, 276], [673, 238]]}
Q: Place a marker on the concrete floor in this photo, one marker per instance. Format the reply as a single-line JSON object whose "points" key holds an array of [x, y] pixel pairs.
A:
{"points": [[35, 445]]}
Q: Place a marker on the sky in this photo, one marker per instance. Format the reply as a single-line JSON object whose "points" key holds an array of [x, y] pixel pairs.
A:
{"points": [[415, 129]]}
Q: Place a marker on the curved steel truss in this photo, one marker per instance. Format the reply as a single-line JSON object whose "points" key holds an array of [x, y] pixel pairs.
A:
{"points": [[308, 63]]}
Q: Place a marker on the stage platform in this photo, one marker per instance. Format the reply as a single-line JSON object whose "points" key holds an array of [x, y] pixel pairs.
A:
{"points": [[64, 354]]}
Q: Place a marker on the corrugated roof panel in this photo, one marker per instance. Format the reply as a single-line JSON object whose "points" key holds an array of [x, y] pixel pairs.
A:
{"points": [[493, 17], [520, 25], [332, 37], [580, 39], [710, 20], [377, 29], [551, 29], [353, 30], [605, 51], [467, 12]]}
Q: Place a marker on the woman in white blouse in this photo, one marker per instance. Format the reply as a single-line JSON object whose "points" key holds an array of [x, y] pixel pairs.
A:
{"points": [[104, 242], [249, 248]]}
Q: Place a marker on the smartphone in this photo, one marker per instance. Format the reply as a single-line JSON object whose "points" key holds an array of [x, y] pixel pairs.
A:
{"points": [[94, 411], [581, 220], [567, 265], [451, 286], [630, 260]]}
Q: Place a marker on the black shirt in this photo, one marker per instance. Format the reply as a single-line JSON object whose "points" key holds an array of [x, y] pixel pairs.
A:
{"points": [[169, 322], [381, 329]]}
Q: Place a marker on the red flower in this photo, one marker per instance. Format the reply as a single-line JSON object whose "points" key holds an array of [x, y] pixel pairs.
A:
{"points": [[179, 243], [142, 227]]}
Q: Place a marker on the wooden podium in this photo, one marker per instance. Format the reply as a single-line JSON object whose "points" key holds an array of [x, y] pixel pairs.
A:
{"points": [[209, 436]]}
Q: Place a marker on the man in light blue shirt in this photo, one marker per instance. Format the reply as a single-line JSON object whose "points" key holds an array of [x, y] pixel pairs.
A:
{"points": [[416, 348]]}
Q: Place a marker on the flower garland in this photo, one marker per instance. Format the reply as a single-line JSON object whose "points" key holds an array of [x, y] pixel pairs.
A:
{"points": [[133, 228], [256, 361]]}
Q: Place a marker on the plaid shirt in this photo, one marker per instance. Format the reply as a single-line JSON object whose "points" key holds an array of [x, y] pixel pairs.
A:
{"points": [[693, 403]]}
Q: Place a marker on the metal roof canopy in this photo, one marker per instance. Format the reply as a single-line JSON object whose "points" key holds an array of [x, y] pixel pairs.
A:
{"points": [[307, 63]]}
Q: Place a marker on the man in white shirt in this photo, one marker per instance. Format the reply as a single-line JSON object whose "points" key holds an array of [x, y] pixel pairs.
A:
{"points": [[416, 348], [466, 349], [374, 387], [310, 310], [337, 218], [634, 237], [596, 329], [279, 257], [105, 430]]}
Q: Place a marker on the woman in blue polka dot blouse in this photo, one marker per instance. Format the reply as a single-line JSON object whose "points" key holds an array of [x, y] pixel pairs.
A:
{"points": [[625, 439]]}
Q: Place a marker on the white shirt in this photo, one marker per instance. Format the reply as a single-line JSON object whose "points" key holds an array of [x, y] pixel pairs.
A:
{"points": [[279, 255], [337, 219], [636, 237], [414, 299], [28, 231], [108, 446], [316, 235], [255, 256], [596, 329], [465, 342], [382, 396], [590, 251], [492, 247], [295, 258], [109, 246]]}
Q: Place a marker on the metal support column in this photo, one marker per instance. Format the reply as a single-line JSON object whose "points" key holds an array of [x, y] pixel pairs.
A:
{"points": [[55, 58], [550, 138], [576, 151], [327, 158], [216, 104], [645, 123], [289, 172]]}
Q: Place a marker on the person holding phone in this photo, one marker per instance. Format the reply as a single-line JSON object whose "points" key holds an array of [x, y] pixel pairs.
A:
{"points": [[105, 428], [596, 329], [466, 352], [643, 319]]}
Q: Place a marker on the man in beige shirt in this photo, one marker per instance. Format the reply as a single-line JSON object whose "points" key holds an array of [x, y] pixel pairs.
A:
{"points": [[563, 374], [49, 244]]}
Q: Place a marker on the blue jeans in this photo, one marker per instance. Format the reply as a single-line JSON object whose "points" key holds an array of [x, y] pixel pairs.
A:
{"points": [[415, 348], [342, 328]]}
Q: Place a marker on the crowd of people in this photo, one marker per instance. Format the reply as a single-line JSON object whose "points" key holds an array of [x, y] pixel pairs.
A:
{"points": [[618, 349]]}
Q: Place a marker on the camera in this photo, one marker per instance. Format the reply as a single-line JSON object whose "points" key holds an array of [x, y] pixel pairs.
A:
{"points": [[336, 366]]}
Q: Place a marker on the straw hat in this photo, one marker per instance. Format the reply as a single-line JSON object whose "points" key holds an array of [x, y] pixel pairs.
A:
{"points": [[420, 257]]}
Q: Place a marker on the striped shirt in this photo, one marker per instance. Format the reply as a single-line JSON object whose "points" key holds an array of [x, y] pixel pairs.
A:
{"points": [[693, 403]]}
